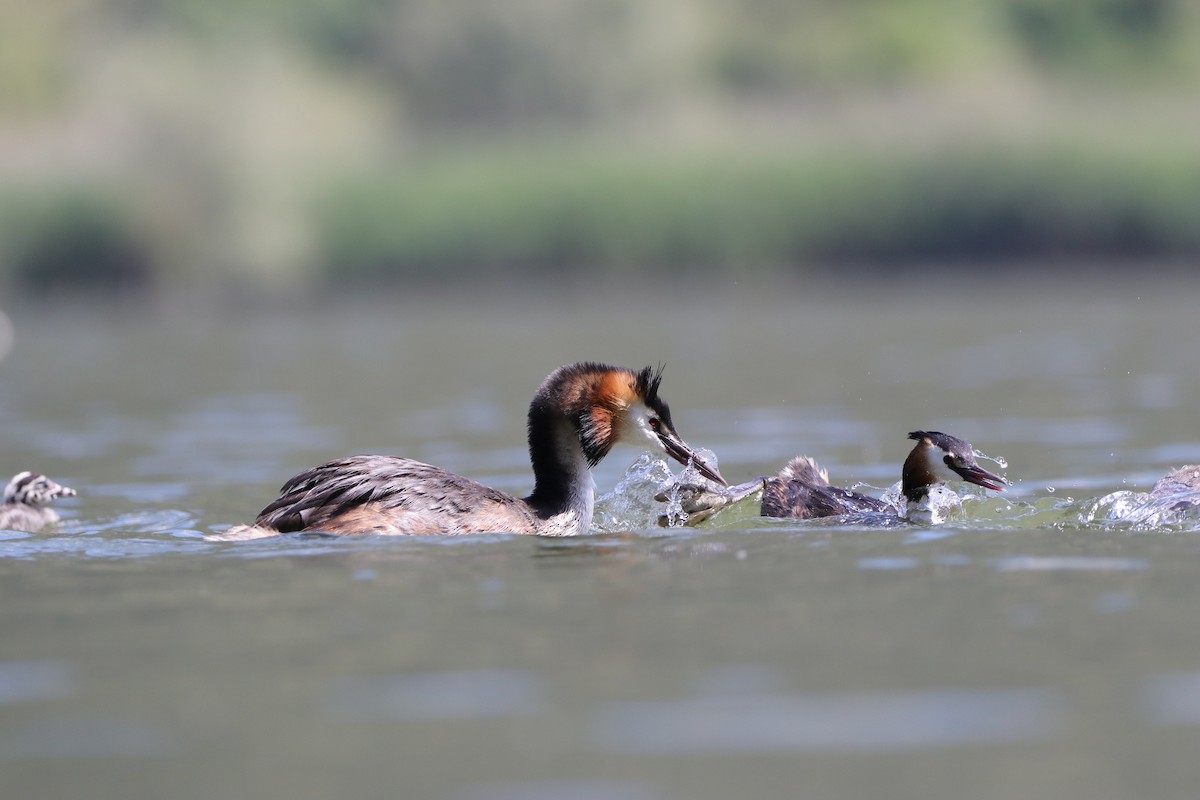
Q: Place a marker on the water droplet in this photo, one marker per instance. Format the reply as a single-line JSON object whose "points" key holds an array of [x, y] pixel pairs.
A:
{"points": [[999, 461]]}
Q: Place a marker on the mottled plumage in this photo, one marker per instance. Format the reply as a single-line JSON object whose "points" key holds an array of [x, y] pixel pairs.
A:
{"points": [[388, 494], [24, 503], [802, 491], [1182, 481]]}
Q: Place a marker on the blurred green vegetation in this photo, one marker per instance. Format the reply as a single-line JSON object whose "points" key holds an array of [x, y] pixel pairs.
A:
{"points": [[756, 214], [74, 241], [294, 144]]}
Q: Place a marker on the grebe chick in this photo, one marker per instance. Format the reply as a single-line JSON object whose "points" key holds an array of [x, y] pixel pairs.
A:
{"points": [[25, 497], [802, 489], [578, 413]]}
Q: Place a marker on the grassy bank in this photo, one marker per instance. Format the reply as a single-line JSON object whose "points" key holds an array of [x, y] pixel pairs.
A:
{"points": [[615, 213], [758, 214]]}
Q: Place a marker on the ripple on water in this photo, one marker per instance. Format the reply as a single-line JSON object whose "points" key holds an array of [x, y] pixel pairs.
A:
{"points": [[1172, 699], [924, 535], [452, 694], [84, 737], [863, 722], [28, 681], [563, 790], [887, 563], [1068, 564], [103, 546]]}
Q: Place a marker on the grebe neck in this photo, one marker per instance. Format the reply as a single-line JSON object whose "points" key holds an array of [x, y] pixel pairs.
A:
{"points": [[918, 474], [564, 493]]}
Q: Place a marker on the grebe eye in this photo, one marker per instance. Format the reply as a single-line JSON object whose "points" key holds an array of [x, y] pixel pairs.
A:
{"points": [[654, 423]]}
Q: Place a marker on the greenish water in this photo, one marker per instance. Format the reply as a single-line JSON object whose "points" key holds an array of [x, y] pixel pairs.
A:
{"points": [[1033, 648]]}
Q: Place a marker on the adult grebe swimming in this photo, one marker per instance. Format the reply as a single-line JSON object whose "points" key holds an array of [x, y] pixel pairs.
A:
{"points": [[578, 413], [25, 499], [802, 489]]}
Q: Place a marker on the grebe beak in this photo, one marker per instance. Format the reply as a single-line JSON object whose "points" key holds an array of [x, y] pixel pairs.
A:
{"points": [[678, 450], [980, 477]]}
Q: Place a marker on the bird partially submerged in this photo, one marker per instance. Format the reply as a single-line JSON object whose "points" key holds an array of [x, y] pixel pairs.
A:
{"points": [[1173, 502], [25, 502], [1180, 486], [576, 417], [802, 489]]}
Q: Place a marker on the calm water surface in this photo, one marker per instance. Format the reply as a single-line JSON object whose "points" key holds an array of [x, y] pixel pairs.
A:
{"points": [[1035, 647]]}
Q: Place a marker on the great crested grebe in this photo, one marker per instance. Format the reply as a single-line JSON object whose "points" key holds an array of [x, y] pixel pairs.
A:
{"points": [[25, 499], [578, 413], [802, 489]]}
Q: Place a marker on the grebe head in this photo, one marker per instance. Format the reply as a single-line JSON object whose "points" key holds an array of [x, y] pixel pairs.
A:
{"points": [[646, 415], [940, 457], [612, 404], [34, 489]]}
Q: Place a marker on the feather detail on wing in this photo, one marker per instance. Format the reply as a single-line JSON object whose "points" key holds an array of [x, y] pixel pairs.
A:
{"points": [[387, 494], [802, 491]]}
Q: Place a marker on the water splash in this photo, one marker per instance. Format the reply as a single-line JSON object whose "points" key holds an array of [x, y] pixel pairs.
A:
{"points": [[940, 505], [999, 461], [1144, 511], [893, 497], [631, 506], [649, 495]]}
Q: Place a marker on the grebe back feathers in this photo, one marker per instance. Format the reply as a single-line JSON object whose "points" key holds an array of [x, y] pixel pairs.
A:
{"points": [[802, 490]]}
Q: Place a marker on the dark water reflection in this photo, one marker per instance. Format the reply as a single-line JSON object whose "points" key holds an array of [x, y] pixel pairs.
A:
{"points": [[1035, 647]]}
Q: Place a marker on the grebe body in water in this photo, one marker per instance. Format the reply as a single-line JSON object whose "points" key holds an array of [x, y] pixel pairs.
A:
{"points": [[577, 415]]}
